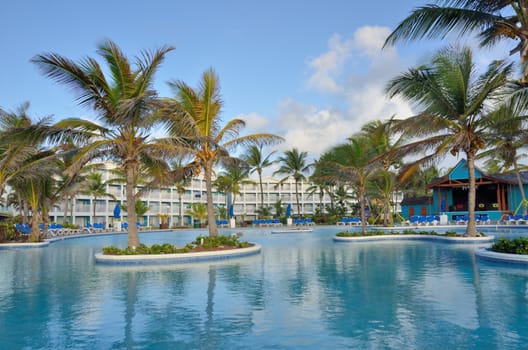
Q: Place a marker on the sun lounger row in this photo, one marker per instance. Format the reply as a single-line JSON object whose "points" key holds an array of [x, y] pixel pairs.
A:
{"points": [[423, 220], [222, 223], [355, 221], [516, 219], [266, 222], [303, 222]]}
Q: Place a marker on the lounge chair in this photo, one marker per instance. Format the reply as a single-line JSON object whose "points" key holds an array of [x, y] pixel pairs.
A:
{"points": [[355, 221], [309, 222], [344, 221], [414, 220], [276, 222]]}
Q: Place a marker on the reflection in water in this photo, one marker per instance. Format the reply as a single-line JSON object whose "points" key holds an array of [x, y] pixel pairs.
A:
{"points": [[301, 292]]}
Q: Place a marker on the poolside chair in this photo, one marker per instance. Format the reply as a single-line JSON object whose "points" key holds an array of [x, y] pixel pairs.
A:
{"points": [[309, 222], [255, 222], [262, 222], [224, 223], [461, 219], [355, 221], [431, 220], [276, 222], [414, 220], [482, 219], [344, 221]]}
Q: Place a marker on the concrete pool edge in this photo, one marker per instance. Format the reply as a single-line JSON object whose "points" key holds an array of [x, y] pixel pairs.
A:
{"points": [[487, 254], [181, 258], [446, 239]]}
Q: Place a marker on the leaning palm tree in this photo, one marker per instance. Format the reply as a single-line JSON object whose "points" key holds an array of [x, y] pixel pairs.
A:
{"points": [[194, 126], [453, 103], [124, 101], [294, 163], [507, 134], [258, 162], [492, 20]]}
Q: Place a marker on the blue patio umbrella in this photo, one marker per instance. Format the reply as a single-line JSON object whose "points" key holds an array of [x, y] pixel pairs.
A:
{"points": [[231, 211], [443, 205], [117, 211], [288, 210]]}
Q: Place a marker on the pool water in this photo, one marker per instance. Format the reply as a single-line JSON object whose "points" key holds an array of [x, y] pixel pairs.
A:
{"points": [[303, 291]]}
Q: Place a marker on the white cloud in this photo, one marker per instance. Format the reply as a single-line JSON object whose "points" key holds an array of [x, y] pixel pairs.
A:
{"points": [[254, 122], [328, 66], [355, 71], [311, 129]]}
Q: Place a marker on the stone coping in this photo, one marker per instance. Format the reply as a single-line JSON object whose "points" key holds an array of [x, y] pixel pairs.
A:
{"points": [[487, 254], [180, 258], [402, 237], [27, 245]]}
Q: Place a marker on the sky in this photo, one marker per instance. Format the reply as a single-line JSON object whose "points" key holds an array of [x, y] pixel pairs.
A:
{"points": [[310, 71]]}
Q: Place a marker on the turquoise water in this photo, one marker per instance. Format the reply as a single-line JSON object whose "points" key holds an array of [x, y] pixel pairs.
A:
{"points": [[302, 292]]}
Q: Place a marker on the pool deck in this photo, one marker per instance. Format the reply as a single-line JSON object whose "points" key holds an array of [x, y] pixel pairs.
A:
{"points": [[176, 258]]}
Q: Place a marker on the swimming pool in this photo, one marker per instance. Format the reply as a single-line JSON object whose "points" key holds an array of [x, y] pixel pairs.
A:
{"points": [[303, 291]]}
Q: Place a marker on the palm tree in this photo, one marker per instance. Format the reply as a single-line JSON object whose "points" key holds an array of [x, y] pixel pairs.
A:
{"points": [[453, 103], [96, 187], [125, 102], [507, 134], [198, 211], [258, 162], [293, 163], [353, 163], [492, 20], [386, 144], [235, 175], [194, 125]]}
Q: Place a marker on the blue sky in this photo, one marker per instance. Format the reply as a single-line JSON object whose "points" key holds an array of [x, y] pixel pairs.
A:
{"points": [[311, 71]]}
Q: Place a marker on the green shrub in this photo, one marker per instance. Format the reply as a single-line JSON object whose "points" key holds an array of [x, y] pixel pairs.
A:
{"points": [[166, 248], [515, 246]]}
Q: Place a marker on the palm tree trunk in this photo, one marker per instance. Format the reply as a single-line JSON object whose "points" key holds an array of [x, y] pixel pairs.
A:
{"points": [[181, 209], [72, 208], [65, 217], [297, 198], [261, 190], [361, 192], [94, 207], [133, 238], [521, 186], [471, 229], [524, 56], [208, 174]]}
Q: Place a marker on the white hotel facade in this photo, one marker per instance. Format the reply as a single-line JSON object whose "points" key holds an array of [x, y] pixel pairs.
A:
{"points": [[167, 201]]}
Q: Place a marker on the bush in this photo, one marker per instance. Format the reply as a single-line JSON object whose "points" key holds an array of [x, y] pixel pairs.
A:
{"points": [[166, 248], [515, 246]]}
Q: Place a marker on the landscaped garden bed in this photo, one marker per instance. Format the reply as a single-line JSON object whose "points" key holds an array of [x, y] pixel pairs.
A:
{"points": [[200, 244]]}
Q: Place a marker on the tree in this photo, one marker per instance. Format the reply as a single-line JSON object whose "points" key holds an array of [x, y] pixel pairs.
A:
{"points": [[258, 162], [235, 175], [453, 103], [96, 187], [353, 163], [198, 211], [507, 134], [194, 126], [492, 20], [294, 163], [125, 103]]}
